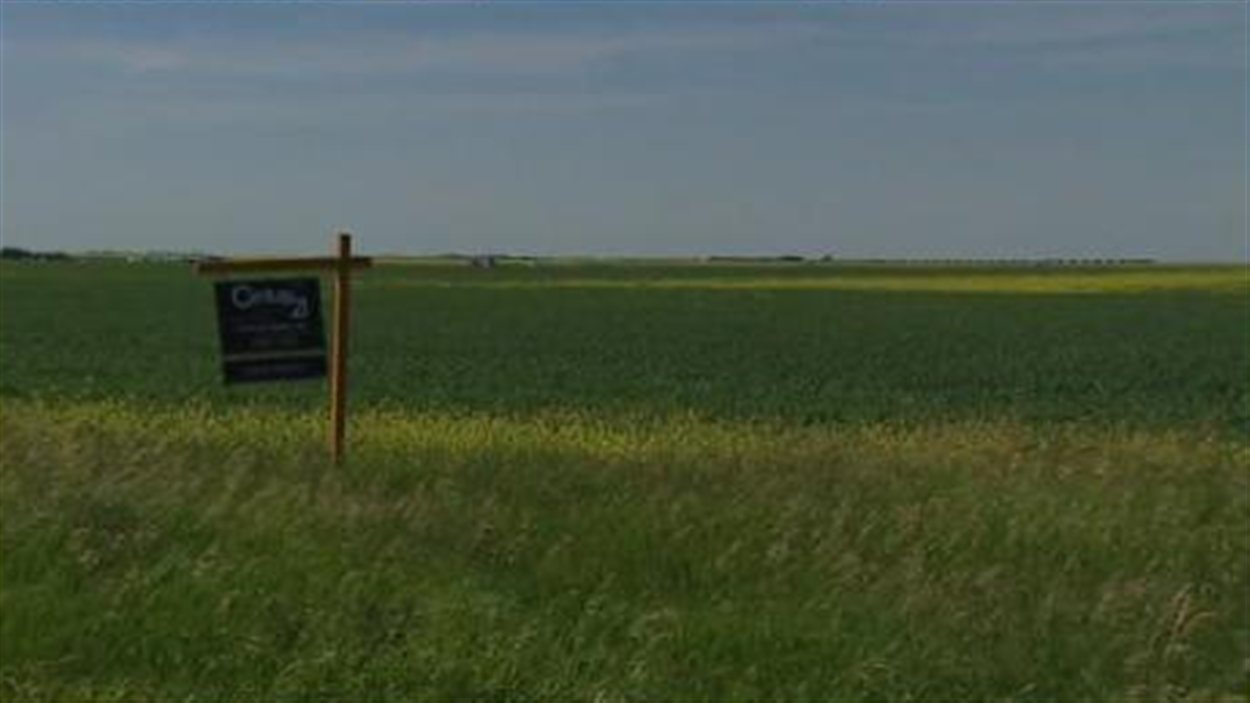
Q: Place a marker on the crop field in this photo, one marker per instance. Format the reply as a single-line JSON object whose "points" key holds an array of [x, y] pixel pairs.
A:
{"points": [[636, 480]]}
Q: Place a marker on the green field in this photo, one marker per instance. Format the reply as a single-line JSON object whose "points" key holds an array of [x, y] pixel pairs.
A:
{"points": [[619, 481]]}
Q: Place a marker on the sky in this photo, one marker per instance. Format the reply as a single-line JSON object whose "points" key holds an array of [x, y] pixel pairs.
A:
{"points": [[920, 129]]}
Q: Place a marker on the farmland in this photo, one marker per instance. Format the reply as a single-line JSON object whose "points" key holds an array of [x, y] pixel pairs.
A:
{"points": [[598, 480]]}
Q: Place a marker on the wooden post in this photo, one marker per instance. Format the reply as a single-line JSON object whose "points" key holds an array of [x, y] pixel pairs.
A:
{"points": [[338, 348]]}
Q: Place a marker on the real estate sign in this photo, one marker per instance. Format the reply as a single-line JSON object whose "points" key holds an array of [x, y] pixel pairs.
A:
{"points": [[271, 329]]}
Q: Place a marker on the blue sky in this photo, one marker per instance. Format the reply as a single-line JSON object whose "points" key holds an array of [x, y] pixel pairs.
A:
{"points": [[892, 129]]}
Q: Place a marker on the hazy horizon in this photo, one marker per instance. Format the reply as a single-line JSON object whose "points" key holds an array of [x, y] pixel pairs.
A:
{"points": [[658, 130]]}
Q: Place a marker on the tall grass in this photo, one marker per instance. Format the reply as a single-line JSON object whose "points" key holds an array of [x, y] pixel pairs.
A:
{"points": [[196, 552]]}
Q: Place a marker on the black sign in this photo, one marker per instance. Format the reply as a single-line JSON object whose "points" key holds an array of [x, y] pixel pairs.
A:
{"points": [[271, 329]]}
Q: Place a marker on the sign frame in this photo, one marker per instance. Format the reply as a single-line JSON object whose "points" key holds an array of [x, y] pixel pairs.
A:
{"points": [[340, 267]]}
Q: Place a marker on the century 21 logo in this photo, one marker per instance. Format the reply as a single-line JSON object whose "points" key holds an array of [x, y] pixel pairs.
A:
{"points": [[246, 297]]}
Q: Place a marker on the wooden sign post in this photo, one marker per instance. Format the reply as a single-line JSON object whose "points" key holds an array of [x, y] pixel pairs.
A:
{"points": [[288, 337]]}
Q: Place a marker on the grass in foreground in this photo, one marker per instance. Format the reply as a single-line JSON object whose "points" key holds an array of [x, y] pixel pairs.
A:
{"points": [[201, 553]]}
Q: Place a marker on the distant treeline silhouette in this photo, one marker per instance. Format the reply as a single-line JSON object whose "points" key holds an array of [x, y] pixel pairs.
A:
{"points": [[488, 261], [28, 255]]}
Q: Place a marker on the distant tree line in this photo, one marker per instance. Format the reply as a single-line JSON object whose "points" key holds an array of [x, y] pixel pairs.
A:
{"points": [[154, 256], [20, 254], [783, 258]]}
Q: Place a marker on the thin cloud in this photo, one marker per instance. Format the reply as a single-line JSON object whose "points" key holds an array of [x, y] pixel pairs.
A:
{"points": [[382, 53], [1114, 38], [1023, 27], [198, 114]]}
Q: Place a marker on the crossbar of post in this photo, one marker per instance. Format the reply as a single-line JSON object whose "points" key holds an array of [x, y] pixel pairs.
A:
{"points": [[324, 264], [341, 266]]}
